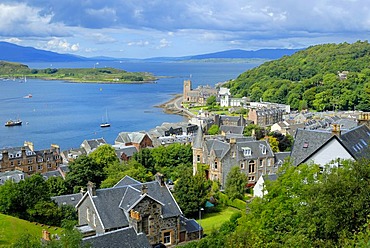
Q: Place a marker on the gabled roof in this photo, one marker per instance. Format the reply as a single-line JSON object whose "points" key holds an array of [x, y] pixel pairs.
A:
{"points": [[232, 129], [70, 200], [220, 148], [125, 181], [270, 177], [110, 203], [308, 142], [256, 149], [130, 137], [125, 238]]}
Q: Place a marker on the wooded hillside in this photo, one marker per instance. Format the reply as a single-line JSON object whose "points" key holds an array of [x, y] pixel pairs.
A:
{"points": [[321, 77]]}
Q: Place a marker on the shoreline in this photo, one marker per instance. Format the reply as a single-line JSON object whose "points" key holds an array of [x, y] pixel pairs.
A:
{"points": [[172, 107]]}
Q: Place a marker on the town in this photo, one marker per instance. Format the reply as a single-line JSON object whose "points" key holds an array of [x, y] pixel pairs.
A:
{"points": [[145, 213]]}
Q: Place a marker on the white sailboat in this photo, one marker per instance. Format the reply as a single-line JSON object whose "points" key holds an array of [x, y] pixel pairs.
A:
{"points": [[105, 122]]}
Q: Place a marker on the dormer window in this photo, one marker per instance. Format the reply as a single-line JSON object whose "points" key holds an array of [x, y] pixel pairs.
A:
{"points": [[305, 145], [263, 149], [247, 151]]}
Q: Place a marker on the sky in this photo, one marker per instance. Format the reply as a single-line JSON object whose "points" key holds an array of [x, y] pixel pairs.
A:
{"points": [[173, 28]]}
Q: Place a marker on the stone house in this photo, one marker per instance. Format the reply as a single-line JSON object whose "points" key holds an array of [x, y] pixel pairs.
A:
{"points": [[228, 120], [142, 208], [90, 145], [124, 153], [265, 117], [14, 176], [199, 95], [221, 153], [138, 139], [30, 161], [330, 147]]}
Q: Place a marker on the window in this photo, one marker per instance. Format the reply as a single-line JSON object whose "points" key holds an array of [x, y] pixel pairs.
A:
{"points": [[49, 165], [39, 167], [88, 214], [198, 158], [11, 163], [145, 224], [215, 165], [242, 165], [94, 220], [263, 149], [11, 156], [247, 151], [30, 161], [261, 163], [19, 162], [305, 145], [167, 238], [251, 178], [40, 160], [30, 168], [252, 165]]}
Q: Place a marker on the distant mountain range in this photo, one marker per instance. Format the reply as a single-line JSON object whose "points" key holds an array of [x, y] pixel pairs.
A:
{"points": [[15, 53]]}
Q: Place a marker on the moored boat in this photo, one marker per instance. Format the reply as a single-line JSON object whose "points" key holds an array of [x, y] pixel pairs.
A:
{"points": [[11, 123]]}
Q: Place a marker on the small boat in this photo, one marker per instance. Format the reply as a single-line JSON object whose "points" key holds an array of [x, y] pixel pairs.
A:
{"points": [[28, 96], [11, 123], [105, 123]]}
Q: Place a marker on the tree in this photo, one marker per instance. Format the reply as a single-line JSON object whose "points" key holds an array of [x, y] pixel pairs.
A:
{"points": [[104, 155], [213, 130], [83, 170], [211, 101], [191, 191], [235, 183]]}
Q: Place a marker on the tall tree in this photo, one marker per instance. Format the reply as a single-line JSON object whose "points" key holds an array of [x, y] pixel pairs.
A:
{"points": [[191, 192], [235, 183]]}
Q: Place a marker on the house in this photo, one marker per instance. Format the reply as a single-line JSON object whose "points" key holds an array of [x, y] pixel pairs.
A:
{"points": [[265, 116], [138, 139], [259, 189], [30, 161], [221, 153], [224, 129], [225, 99], [227, 120], [91, 145], [199, 95], [72, 154], [125, 153], [323, 147], [14, 176], [169, 133], [134, 209]]}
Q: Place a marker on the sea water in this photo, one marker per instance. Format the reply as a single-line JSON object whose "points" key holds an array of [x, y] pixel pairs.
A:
{"points": [[66, 113]]}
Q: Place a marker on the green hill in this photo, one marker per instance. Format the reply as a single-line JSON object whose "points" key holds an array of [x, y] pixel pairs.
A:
{"points": [[91, 75], [12, 228], [310, 78]]}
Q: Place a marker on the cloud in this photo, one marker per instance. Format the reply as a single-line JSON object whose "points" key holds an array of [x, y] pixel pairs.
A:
{"points": [[13, 40], [61, 45], [138, 43], [163, 43]]}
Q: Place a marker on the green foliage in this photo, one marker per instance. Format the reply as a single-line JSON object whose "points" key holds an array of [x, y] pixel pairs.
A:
{"points": [[214, 129], [211, 101], [104, 155], [259, 132], [83, 170], [191, 192], [235, 183], [309, 78]]}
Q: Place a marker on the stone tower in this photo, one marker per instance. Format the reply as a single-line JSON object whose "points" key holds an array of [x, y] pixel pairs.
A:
{"points": [[187, 89]]}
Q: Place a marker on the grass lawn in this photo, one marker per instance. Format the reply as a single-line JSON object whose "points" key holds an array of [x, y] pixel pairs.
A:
{"points": [[214, 220], [12, 228]]}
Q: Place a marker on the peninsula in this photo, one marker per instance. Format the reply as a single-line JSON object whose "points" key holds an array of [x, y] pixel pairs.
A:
{"points": [[77, 75]]}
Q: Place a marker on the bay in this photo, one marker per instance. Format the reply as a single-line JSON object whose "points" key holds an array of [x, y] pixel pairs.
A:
{"points": [[66, 113]]}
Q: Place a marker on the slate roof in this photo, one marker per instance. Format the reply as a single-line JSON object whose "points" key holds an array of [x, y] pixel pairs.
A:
{"points": [[307, 142], [125, 238], [256, 150], [127, 180], [15, 175], [14, 152], [128, 150], [232, 129], [130, 137], [270, 177], [112, 202], [190, 225], [70, 200], [219, 147], [198, 140]]}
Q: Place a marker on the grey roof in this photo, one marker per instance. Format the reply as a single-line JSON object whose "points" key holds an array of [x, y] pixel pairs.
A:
{"points": [[198, 140], [14, 152], [125, 181], [190, 225], [93, 143], [219, 147], [48, 174], [111, 202], [280, 156], [232, 129], [15, 176], [256, 150], [71, 199], [128, 150], [125, 237], [130, 137], [307, 142]]}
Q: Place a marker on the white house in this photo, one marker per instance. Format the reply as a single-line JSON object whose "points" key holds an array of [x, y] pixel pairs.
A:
{"points": [[259, 189]]}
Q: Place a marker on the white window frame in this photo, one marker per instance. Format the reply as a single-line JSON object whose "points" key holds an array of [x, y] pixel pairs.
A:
{"points": [[167, 238]]}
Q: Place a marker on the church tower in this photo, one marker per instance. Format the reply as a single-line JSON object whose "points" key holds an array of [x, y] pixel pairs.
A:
{"points": [[187, 89]]}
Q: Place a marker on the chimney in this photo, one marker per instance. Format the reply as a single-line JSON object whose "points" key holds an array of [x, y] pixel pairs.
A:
{"points": [[336, 130], [23, 149], [29, 144], [91, 188], [144, 189], [5, 154], [160, 179]]}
